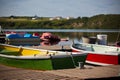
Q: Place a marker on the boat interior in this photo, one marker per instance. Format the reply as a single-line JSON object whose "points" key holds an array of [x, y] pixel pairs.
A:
{"points": [[97, 48]]}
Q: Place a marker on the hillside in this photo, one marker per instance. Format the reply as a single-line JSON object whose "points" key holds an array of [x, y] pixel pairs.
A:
{"points": [[109, 21]]}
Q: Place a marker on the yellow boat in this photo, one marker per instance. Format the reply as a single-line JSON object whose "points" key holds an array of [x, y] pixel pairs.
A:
{"points": [[25, 51], [31, 58]]}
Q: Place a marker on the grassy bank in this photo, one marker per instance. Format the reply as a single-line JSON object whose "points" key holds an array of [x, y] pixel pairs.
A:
{"points": [[110, 21]]}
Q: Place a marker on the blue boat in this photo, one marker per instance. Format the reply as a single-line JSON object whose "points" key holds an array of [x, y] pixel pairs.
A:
{"points": [[22, 38]]}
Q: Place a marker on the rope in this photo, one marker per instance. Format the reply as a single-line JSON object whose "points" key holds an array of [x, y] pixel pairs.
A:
{"points": [[118, 36], [73, 60]]}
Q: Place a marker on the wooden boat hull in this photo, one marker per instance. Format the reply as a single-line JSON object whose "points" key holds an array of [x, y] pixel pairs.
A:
{"points": [[39, 59], [51, 63], [100, 57]]}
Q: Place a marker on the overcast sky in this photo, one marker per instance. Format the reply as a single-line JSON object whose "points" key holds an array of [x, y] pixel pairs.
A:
{"points": [[64, 8]]}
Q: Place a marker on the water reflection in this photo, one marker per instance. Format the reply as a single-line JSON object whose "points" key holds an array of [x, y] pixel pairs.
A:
{"points": [[111, 37], [42, 43], [76, 36], [24, 43], [49, 43]]}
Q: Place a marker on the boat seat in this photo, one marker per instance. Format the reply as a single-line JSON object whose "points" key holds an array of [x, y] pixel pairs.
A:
{"points": [[105, 49], [111, 52], [89, 49]]}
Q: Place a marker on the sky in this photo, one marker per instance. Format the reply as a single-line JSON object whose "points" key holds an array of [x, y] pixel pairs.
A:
{"points": [[63, 8]]}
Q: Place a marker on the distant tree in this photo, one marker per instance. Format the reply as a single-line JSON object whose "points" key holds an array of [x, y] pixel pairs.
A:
{"points": [[12, 17]]}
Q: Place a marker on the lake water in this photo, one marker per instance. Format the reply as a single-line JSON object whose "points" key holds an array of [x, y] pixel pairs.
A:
{"points": [[75, 35], [63, 30]]}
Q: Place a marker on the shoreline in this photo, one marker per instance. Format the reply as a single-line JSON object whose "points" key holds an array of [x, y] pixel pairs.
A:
{"points": [[88, 73]]}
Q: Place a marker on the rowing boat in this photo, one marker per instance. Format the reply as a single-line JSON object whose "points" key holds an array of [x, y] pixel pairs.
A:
{"points": [[40, 59], [99, 54]]}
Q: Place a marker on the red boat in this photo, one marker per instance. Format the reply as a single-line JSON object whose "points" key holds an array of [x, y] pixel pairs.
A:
{"points": [[99, 54]]}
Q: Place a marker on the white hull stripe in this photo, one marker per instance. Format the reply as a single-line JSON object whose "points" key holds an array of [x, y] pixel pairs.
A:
{"points": [[97, 63]]}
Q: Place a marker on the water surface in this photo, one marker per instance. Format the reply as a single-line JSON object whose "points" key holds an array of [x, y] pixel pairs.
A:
{"points": [[113, 35]]}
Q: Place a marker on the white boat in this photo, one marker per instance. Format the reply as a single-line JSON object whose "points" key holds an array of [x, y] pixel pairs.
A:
{"points": [[99, 54]]}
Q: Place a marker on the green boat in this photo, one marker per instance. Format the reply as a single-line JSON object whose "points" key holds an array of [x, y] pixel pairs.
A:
{"points": [[39, 59]]}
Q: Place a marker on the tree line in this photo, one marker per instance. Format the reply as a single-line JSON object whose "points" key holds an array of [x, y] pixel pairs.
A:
{"points": [[102, 21]]}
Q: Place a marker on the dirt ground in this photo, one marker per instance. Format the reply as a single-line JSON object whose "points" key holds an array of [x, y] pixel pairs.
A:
{"points": [[89, 72]]}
